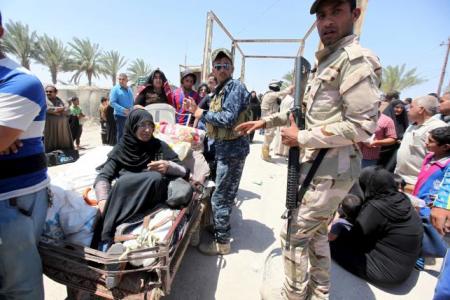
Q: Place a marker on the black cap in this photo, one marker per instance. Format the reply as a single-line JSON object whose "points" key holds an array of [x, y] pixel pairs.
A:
{"points": [[316, 4]]}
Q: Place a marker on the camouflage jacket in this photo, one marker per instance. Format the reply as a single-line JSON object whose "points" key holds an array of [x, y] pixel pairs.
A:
{"points": [[342, 101], [269, 100], [235, 100]]}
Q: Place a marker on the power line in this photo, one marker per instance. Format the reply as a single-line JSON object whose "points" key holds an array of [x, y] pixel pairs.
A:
{"points": [[263, 12]]}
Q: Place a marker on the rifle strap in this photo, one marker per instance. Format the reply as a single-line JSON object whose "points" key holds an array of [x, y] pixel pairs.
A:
{"points": [[310, 176]]}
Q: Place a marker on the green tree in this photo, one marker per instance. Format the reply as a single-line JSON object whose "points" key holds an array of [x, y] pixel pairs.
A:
{"points": [[52, 53], [20, 42], [397, 78], [288, 79], [86, 59], [111, 62], [138, 68]]}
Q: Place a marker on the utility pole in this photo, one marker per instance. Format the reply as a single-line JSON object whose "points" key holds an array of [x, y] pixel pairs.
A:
{"points": [[444, 67]]}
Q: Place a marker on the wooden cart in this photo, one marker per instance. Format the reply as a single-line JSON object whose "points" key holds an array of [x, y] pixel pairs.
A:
{"points": [[84, 269]]}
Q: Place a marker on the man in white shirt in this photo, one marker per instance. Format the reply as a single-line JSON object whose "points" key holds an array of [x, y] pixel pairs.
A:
{"points": [[412, 150]]}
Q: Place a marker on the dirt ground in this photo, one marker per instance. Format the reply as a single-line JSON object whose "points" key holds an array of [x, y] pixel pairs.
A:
{"points": [[255, 225]]}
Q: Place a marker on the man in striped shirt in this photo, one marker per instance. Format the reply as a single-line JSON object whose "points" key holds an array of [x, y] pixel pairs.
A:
{"points": [[23, 180]]}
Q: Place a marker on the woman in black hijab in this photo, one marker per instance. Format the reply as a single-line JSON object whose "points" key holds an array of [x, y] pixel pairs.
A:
{"points": [[156, 90], [385, 241], [255, 108], [397, 112], [141, 165]]}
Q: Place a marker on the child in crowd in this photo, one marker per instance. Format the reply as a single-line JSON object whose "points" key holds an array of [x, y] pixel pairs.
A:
{"points": [[76, 122], [434, 166], [102, 115], [348, 211], [428, 184]]}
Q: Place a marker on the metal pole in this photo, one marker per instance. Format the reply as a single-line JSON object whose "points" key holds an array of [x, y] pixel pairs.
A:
{"points": [[243, 70], [226, 32], [271, 56], [362, 4], [207, 47], [302, 43], [268, 40], [233, 50], [444, 66]]}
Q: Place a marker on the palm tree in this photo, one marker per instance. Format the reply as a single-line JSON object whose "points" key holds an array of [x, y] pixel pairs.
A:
{"points": [[396, 78], [288, 79], [138, 68], [19, 41], [52, 53], [85, 56], [111, 62]]}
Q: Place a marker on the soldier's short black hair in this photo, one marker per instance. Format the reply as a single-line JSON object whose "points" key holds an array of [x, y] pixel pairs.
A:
{"points": [[352, 4], [441, 135]]}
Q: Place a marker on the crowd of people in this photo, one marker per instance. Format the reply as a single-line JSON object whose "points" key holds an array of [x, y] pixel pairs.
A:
{"points": [[385, 171]]}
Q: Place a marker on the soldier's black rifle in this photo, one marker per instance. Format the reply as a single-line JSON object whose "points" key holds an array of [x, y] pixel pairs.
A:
{"points": [[294, 194]]}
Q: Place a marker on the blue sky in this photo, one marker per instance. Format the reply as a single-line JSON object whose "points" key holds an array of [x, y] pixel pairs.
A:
{"points": [[166, 33]]}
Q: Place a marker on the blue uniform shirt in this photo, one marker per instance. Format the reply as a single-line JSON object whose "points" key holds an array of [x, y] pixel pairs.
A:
{"points": [[235, 100]]}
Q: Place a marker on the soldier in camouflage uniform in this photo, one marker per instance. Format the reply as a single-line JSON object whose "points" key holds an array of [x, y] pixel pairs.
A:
{"points": [[228, 108], [270, 104], [341, 110]]}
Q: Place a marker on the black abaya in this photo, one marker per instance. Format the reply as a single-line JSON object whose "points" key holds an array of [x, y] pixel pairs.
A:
{"points": [[111, 131], [385, 241], [133, 196], [136, 190]]}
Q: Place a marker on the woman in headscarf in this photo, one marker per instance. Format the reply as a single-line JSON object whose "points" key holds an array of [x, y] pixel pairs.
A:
{"points": [[57, 134], [396, 110], [156, 90], [255, 107], [203, 90], [385, 241], [142, 166], [107, 122]]}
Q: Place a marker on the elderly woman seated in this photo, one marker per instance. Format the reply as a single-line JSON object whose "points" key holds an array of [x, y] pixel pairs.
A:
{"points": [[142, 166], [385, 240]]}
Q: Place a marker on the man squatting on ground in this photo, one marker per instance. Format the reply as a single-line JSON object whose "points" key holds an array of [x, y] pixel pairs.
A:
{"points": [[227, 109], [341, 110], [23, 180]]}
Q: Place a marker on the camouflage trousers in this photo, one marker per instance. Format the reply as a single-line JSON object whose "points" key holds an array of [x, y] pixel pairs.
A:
{"points": [[228, 177], [309, 241], [269, 133]]}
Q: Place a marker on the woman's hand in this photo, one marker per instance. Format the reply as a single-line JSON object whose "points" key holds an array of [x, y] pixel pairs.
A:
{"points": [[160, 166]]}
